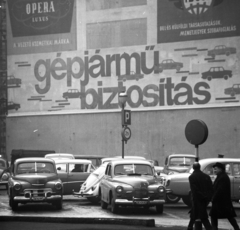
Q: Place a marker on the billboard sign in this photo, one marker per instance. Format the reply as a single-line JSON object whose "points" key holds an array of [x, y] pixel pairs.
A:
{"points": [[185, 20], [41, 26]]}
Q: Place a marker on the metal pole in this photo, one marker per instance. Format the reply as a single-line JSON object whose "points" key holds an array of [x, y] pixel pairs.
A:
{"points": [[197, 153], [122, 128]]}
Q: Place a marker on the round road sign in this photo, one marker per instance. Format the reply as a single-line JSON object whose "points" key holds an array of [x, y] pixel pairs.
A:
{"points": [[126, 133], [196, 132]]}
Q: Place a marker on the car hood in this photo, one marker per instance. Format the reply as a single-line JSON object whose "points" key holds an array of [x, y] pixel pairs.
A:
{"points": [[92, 180], [135, 181], [42, 178]]}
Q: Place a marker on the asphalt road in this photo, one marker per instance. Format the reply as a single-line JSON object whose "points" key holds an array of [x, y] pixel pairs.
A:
{"points": [[90, 216]]}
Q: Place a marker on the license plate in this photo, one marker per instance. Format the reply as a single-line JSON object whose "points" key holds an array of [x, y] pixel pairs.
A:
{"points": [[38, 198], [141, 202]]}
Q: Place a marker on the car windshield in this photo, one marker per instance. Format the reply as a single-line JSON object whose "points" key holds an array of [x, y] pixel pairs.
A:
{"points": [[35, 167], [133, 169], [181, 161], [2, 164]]}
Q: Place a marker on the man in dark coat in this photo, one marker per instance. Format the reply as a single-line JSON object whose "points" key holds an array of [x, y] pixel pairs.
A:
{"points": [[201, 190], [221, 200]]}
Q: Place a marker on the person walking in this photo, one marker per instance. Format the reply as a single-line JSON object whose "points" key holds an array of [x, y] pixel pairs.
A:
{"points": [[222, 207], [201, 191]]}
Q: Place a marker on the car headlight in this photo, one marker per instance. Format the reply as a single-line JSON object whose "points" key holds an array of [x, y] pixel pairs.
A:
{"points": [[119, 189], [58, 186], [5, 177], [17, 186], [161, 189]]}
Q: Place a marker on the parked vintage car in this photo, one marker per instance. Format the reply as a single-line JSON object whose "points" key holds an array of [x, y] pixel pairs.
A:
{"points": [[131, 183], [90, 188], [178, 184], [178, 163], [3, 173], [96, 159], [73, 173], [57, 156], [34, 180]]}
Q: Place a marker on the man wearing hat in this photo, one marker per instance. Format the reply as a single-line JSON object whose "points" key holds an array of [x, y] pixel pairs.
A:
{"points": [[221, 200]]}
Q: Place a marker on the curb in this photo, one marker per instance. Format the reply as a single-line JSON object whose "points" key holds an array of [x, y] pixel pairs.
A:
{"points": [[74, 220]]}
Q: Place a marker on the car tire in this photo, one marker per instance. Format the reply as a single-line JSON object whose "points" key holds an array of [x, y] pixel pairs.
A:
{"points": [[225, 77], [94, 200], [159, 208], [232, 94], [114, 206], [172, 199], [58, 204], [187, 201], [14, 205], [104, 205]]}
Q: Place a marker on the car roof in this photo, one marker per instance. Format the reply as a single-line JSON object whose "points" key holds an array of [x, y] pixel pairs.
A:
{"points": [[88, 156], [58, 161], [32, 159], [221, 160], [130, 161], [182, 155]]}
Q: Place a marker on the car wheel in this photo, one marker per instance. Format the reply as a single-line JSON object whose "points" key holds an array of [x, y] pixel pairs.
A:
{"points": [[103, 204], [94, 200], [114, 206], [14, 205], [232, 94], [187, 201], [178, 68], [58, 204], [225, 77], [159, 208], [209, 78], [172, 199]]}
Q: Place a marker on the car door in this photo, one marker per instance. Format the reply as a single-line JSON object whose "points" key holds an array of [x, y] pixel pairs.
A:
{"points": [[76, 178], [105, 184], [236, 180]]}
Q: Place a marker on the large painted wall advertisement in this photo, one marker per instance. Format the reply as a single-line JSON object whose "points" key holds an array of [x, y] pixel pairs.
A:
{"points": [[174, 75]]}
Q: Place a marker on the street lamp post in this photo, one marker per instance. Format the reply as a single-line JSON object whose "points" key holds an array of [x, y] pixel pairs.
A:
{"points": [[122, 99]]}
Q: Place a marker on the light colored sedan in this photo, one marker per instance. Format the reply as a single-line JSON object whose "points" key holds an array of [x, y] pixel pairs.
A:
{"points": [[178, 184], [131, 183], [73, 173]]}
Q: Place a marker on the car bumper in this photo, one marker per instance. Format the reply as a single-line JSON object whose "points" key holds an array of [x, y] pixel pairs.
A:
{"points": [[79, 194], [37, 199], [143, 201]]}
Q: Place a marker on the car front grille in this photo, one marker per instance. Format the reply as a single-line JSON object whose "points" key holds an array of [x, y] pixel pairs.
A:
{"points": [[140, 193], [37, 192]]}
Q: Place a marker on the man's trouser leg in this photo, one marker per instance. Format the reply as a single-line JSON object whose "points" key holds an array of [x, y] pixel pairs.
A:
{"points": [[233, 222], [214, 222], [206, 224], [198, 224]]}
